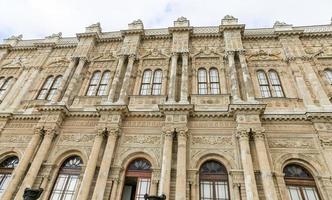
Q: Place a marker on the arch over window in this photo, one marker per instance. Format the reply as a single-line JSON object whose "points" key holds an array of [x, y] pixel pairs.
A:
{"points": [[276, 84], [263, 84], [202, 81], [66, 183], [151, 82], [4, 85], [138, 180], [300, 183], [213, 180], [6, 169], [328, 75]]}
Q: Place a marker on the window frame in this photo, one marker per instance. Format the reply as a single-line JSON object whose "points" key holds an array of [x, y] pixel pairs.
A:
{"points": [[96, 85], [6, 173], [208, 81], [274, 85], [103, 84], [263, 86], [4, 87], [200, 82], [152, 83], [328, 77]]}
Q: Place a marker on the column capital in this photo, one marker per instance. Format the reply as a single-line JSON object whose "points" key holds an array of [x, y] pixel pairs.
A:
{"points": [[182, 132], [185, 54], [242, 134], [168, 131], [242, 51], [230, 52], [258, 133], [113, 132], [101, 132], [175, 54], [132, 57], [39, 131]]}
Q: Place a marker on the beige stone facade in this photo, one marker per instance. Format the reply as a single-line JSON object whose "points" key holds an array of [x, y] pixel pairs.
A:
{"points": [[253, 100]]}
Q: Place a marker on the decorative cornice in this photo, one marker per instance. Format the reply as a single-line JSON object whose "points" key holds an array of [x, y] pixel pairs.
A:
{"points": [[132, 32], [145, 114], [181, 29], [284, 117], [176, 108], [53, 108], [83, 114], [88, 34], [25, 117], [112, 108], [225, 27], [260, 108]]}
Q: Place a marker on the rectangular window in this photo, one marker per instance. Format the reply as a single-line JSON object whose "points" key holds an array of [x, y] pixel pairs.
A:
{"points": [[4, 181], [294, 193]]}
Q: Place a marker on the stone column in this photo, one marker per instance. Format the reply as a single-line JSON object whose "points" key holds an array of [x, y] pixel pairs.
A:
{"points": [[172, 78], [100, 187], [235, 90], [74, 80], [89, 172], [248, 169], [282, 187], [264, 165], [126, 80], [246, 77], [65, 79], [154, 186], [181, 165], [114, 189], [184, 79], [37, 162], [165, 176], [116, 78], [20, 170]]}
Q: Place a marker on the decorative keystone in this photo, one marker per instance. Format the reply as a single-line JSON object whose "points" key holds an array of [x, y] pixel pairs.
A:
{"points": [[136, 24], [93, 28], [229, 20], [13, 40], [182, 22]]}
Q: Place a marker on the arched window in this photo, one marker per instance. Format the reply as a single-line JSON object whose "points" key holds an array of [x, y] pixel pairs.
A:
{"points": [[93, 85], [105, 79], [328, 75], [300, 183], [54, 87], [263, 84], [213, 180], [214, 81], [67, 180], [45, 88], [4, 84], [6, 169], [202, 81], [276, 84], [138, 179], [156, 83]]}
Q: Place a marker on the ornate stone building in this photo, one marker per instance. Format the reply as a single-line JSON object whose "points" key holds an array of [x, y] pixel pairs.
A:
{"points": [[210, 113]]}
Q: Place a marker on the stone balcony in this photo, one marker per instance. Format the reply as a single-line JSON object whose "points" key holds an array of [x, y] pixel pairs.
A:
{"points": [[210, 102], [146, 102]]}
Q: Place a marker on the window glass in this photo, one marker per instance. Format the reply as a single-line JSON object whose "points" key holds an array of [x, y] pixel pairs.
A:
{"points": [[146, 83], [276, 84], [92, 89], [328, 75], [157, 81], [263, 84], [54, 87], [6, 169], [103, 83], [45, 88]]}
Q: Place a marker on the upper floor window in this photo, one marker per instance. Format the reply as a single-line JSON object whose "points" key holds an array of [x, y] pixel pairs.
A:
{"points": [[151, 82], [328, 75], [67, 180], [6, 169], [271, 85], [49, 87], [208, 83], [213, 180], [300, 183], [4, 85], [98, 84]]}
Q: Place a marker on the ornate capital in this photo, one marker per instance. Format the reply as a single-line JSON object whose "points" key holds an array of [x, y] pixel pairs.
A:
{"points": [[242, 51], [101, 132], [182, 132], [114, 132], [230, 53], [39, 131], [175, 54], [168, 131], [242, 134], [258, 133], [132, 57]]}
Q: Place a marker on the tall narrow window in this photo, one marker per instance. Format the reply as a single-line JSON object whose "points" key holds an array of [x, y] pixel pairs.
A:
{"points": [[54, 87], [67, 180], [263, 84], [276, 84], [300, 183], [93, 85], [213, 181], [202, 82], [138, 179], [43, 92], [328, 75], [6, 169], [214, 81], [157, 80], [105, 79], [146, 81], [4, 84]]}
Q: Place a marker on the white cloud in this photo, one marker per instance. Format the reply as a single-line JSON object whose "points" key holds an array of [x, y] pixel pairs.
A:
{"points": [[39, 18]]}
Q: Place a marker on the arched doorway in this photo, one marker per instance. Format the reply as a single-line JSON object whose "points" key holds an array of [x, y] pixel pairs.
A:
{"points": [[300, 183], [213, 178], [138, 180]]}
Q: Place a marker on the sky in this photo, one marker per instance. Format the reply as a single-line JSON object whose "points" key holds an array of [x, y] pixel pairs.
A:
{"points": [[40, 18]]}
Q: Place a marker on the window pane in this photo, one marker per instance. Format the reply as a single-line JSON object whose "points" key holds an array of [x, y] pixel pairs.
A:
{"points": [[51, 94], [145, 89], [156, 89], [214, 75], [157, 76], [95, 78], [221, 189], [48, 83], [106, 78], [91, 90], [4, 181], [262, 78], [265, 91], [143, 187], [147, 76], [310, 193], [215, 88], [278, 91], [102, 90], [206, 190], [328, 75], [202, 88], [294, 193], [42, 94], [46, 86], [274, 78], [202, 75]]}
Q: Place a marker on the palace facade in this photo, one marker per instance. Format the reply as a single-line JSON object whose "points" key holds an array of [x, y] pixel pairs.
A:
{"points": [[194, 113]]}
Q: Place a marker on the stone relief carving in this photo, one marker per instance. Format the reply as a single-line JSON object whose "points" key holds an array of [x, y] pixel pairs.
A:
{"points": [[291, 143], [15, 139], [223, 141], [139, 139], [263, 55], [80, 138]]}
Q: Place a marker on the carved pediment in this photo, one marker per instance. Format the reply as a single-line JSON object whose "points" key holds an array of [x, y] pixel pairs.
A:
{"points": [[154, 54], [58, 62], [262, 55], [207, 52], [17, 62], [103, 57]]}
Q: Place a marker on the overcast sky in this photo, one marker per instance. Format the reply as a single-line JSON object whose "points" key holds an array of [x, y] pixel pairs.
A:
{"points": [[40, 18]]}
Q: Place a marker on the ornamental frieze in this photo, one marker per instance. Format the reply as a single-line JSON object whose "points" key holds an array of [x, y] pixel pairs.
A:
{"points": [[143, 123], [139, 139], [291, 143], [15, 139], [73, 138], [223, 141], [211, 124]]}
